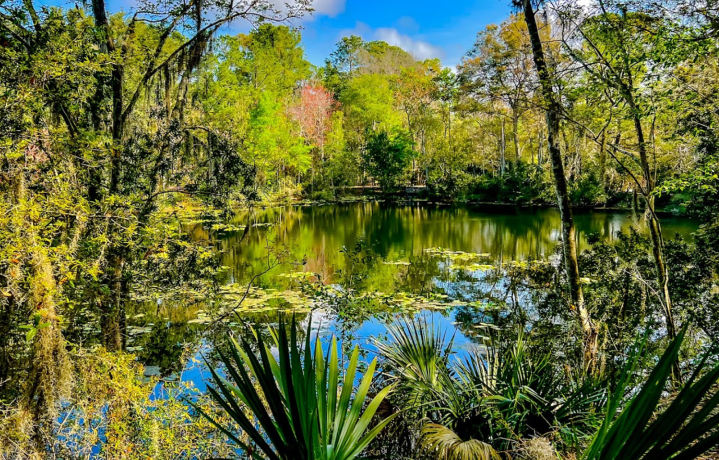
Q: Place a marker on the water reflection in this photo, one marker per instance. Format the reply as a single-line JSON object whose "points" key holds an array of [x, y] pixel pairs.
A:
{"points": [[311, 239], [315, 235]]}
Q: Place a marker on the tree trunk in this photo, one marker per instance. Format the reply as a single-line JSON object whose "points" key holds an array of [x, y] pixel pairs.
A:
{"points": [[654, 225], [112, 319], [112, 312], [502, 152], [116, 80], [560, 181], [515, 134], [603, 162], [655, 229]]}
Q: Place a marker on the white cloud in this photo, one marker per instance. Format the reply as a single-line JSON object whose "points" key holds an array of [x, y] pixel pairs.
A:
{"points": [[329, 8], [419, 49]]}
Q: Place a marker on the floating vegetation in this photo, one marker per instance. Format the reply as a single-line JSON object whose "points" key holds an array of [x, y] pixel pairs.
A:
{"points": [[227, 228], [460, 260], [298, 275], [456, 256], [482, 262], [404, 302], [397, 262], [133, 331], [202, 318], [240, 298], [479, 267]]}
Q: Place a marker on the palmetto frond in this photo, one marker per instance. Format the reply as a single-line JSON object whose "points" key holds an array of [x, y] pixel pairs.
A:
{"points": [[417, 356], [302, 409], [685, 430], [447, 445]]}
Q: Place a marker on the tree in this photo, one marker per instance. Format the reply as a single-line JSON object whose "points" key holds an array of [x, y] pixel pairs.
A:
{"points": [[387, 156], [313, 112], [272, 59], [347, 57], [415, 93], [622, 51], [497, 68], [127, 162], [553, 111], [272, 144]]}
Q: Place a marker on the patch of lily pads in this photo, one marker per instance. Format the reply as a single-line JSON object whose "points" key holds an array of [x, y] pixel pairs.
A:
{"points": [[456, 256], [397, 262], [298, 275], [467, 261], [240, 298]]}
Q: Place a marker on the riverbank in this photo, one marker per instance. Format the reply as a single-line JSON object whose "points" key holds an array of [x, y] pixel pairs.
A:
{"points": [[487, 205], [191, 210]]}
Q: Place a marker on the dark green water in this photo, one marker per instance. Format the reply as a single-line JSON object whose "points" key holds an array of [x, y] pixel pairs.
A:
{"points": [[296, 240], [315, 235]]}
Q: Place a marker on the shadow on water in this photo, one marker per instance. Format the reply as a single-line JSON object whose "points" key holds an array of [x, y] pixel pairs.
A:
{"points": [[318, 239], [316, 234]]}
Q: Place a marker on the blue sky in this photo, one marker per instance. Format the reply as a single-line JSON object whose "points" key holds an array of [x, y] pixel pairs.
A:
{"points": [[423, 27], [427, 29]]}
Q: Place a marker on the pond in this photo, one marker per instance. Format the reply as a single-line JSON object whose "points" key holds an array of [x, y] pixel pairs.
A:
{"points": [[400, 255], [315, 234]]}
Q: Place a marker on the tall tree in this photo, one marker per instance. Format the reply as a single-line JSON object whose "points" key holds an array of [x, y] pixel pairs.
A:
{"points": [[129, 165], [313, 112], [553, 109], [498, 69], [625, 53]]}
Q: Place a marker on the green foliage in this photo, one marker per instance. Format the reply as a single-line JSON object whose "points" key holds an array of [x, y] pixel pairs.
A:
{"points": [[448, 446], [686, 429], [697, 190], [387, 156], [272, 59], [299, 407], [112, 412], [531, 395], [114, 129], [271, 143], [416, 358], [488, 400], [521, 184], [369, 104]]}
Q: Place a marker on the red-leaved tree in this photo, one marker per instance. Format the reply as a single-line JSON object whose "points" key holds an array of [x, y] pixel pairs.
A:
{"points": [[312, 112]]}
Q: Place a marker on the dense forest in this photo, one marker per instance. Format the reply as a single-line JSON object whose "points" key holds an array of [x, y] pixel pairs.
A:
{"points": [[134, 142]]}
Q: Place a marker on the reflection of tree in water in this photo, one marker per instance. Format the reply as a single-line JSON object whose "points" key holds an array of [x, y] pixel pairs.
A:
{"points": [[396, 231], [311, 239], [494, 302], [243, 327], [165, 344], [419, 277]]}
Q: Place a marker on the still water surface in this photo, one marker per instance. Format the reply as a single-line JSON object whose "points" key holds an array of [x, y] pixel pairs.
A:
{"points": [[311, 239], [315, 234]]}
